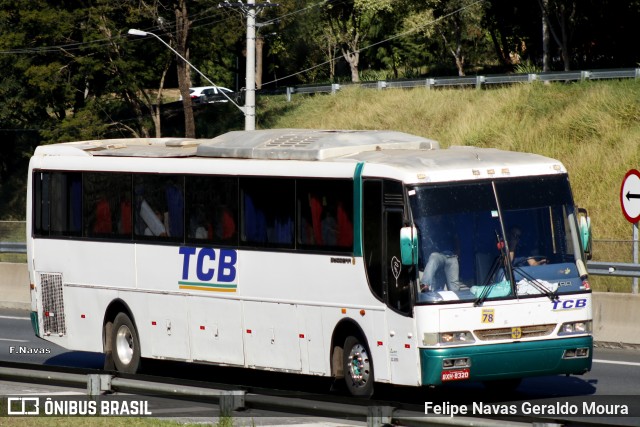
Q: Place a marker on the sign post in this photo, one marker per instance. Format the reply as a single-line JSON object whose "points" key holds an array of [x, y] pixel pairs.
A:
{"points": [[630, 203]]}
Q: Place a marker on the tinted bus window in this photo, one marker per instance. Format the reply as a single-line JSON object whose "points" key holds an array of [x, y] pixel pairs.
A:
{"points": [[268, 211], [158, 207], [107, 203], [325, 213], [58, 203], [212, 209]]}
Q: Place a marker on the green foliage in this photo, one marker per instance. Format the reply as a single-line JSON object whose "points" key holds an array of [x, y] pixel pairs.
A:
{"points": [[527, 67]]}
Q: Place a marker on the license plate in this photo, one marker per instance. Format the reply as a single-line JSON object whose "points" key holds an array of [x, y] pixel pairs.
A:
{"points": [[455, 375]]}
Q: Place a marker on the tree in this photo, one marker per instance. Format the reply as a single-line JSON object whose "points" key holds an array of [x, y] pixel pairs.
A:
{"points": [[176, 12], [558, 19], [459, 26]]}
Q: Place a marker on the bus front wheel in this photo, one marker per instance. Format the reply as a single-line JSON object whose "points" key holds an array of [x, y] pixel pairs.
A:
{"points": [[125, 346], [358, 367]]}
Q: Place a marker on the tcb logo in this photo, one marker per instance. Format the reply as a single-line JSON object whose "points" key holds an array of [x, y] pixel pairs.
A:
{"points": [[210, 264], [569, 304]]}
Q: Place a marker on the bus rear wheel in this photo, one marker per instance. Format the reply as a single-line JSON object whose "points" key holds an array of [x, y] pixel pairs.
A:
{"points": [[125, 346], [358, 367]]}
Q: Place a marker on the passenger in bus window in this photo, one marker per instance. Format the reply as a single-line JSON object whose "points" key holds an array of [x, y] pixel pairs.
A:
{"points": [[154, 220], [124, 224], [175, 208], [225, 226], [514, 238], [329, 227], [198, 225], [102, 224], [345, 227], [440, 243]]}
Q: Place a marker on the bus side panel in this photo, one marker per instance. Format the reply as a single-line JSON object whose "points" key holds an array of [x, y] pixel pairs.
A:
{"points": [[313, 352], [271, 338], [215, 328], [87, 263], [85, 308], [169, 336]]}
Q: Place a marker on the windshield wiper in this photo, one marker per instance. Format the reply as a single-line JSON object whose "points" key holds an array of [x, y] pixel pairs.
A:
{"points": [[487, 283], [552, 295]]}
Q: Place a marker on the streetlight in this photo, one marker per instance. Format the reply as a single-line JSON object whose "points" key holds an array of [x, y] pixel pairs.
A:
{"points": [[244, 109]]}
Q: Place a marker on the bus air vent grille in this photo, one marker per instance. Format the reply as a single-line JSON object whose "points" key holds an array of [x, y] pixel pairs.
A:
{"points": [[507, 333], [393, 199], [292, 141], [52, 303]]}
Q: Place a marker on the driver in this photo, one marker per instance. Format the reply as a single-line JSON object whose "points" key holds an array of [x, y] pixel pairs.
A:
{"points": [[514, 236]]}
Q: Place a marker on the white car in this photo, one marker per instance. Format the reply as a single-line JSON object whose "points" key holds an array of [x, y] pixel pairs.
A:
{"points": [[209, 94]]}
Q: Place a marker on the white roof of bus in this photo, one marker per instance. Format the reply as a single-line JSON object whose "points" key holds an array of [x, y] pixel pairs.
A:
{"points": [[406, 156], [281, 144]]}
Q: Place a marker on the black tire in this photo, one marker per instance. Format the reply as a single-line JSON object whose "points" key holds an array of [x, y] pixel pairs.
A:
{"points": [[125, 346], [358, 367]]}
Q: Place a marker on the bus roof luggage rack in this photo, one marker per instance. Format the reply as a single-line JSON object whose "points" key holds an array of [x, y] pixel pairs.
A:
{"points": [[308, 144]]}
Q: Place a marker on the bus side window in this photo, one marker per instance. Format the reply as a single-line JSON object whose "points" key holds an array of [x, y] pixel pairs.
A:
{"points": [[65, 204], [105, 197], [268, 211], [158, 206], [325, 211], [212, 209]]}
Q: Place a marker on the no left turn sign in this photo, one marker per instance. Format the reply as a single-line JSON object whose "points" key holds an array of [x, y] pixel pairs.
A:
{"points": [[630, 196]]}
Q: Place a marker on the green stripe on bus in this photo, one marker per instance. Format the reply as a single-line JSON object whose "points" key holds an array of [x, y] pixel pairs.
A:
{"points": [[357, 210], [209, 285]]}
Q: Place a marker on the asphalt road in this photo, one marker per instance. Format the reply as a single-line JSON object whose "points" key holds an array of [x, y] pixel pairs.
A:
{"points": [[615, 375]]}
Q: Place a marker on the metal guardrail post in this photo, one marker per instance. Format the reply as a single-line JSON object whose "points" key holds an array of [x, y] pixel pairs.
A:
{"points": [[378, 416], [98, 384], [430, 82], [334, 88], [290, 91], [479, 81], [13, 248], [230, 401]]}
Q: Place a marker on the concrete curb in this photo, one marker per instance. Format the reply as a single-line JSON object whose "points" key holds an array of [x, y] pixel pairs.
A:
{"points": [[14, 286]]}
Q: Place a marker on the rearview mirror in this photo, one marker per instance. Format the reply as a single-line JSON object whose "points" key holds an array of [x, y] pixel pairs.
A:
{"points": [[584, 224], [409, 245]]}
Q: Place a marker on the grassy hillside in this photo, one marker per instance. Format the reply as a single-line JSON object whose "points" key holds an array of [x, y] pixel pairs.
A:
{"points": [[592, 127]]}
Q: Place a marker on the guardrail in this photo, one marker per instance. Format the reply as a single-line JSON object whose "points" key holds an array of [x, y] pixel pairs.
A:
{"points": [[13, 248], [477, 81], [234, 399]]}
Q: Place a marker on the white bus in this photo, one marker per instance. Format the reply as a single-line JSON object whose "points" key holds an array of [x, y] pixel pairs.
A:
{"points": [[310, 251]]}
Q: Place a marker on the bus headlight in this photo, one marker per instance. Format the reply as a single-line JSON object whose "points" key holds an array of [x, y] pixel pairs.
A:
{"points": [[448, 338], [570, 328]]}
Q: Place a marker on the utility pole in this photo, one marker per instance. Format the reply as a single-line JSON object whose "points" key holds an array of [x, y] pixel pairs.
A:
{"points": [[250, 85], [250, 95]]}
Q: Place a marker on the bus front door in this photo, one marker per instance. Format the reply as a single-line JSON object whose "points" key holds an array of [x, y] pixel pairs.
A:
{"points": [[403, 352]]}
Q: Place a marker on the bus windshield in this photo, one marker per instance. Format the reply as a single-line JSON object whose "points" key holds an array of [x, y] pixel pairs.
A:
{"points": [[499, 239]]}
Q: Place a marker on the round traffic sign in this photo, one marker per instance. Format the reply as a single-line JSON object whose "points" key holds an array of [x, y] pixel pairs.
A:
{"points": [[630, 196]]}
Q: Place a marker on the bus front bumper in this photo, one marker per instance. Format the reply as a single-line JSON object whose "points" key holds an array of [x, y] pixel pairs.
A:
{"points": [[505, 361]]}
